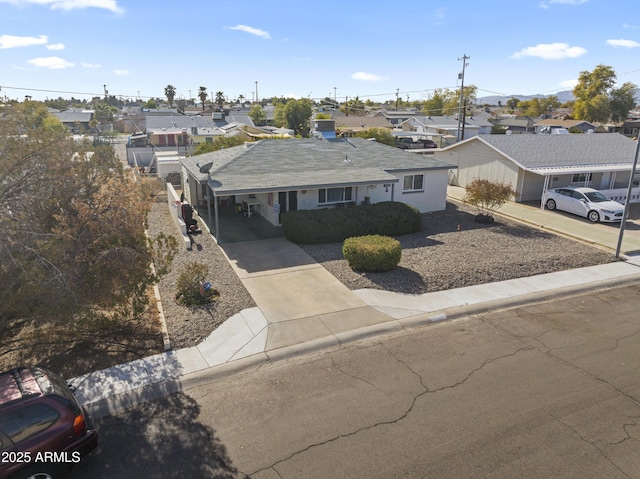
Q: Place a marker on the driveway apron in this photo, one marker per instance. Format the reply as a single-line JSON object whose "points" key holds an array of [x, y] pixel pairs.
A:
{"points": [[300, 299]]}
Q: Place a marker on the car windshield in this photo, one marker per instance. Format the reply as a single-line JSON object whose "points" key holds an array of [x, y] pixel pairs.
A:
{"points": [[596, 196]]}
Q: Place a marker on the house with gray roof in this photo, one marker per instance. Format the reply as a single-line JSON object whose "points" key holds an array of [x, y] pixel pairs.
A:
{"points": [[534, 163], [274, 176], [75, 120]]}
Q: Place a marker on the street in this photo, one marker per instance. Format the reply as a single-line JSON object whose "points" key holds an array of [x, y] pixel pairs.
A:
{"points": [[547, 390]]}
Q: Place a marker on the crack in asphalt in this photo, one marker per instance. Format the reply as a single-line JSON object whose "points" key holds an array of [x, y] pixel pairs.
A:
{"points": [[624, 428], [585, 440], [401, 416]]}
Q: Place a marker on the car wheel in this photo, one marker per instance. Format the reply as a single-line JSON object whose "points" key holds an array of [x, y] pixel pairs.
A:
{"points": [[551, 205], [38, 472], [593, 216]]}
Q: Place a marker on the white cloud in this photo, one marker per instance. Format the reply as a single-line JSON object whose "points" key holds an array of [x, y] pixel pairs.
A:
{"points": [[628, 26], [90, 65], [55, 46], [568, 83], [364, 76], [111, 5], [253, 31], [569, 2], [54, 63], [551, 51], [545, 4], [439, 16], [623, 43], [11, 41], [121, 72]]}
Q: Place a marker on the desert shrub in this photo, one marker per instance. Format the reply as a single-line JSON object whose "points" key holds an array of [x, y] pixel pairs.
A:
{"points": [[487, 196], [372, 252], [192, 286], [336, 224]]}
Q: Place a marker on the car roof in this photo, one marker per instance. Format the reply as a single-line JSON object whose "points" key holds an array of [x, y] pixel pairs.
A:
{"points": [[581, 189], [16, 384]]}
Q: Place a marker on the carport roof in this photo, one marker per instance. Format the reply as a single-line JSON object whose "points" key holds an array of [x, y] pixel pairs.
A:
{"points": [[549, 154], [271, 165]]}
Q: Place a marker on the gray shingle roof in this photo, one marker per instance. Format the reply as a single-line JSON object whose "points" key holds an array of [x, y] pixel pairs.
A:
{"points": [[306, 163], [544, 151]]}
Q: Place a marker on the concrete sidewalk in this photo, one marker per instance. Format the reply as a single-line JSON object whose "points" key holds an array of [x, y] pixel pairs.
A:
{"points": [[302, 308]]}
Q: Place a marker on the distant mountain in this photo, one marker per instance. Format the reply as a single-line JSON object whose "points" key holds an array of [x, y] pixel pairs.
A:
{"points": [[563, 97]]}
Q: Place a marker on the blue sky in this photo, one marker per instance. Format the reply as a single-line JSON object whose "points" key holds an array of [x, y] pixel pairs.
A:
{"points": [[313, 49]]}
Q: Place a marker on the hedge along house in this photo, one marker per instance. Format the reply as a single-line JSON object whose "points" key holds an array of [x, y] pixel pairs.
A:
{"points": [[270, 177], [534, 163]]}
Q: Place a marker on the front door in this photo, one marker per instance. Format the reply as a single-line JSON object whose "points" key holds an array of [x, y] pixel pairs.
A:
{"points": [[282, 199], [293, 200]]}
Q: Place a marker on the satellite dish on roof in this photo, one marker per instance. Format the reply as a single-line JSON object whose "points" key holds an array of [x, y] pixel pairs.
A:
{"points": [[206, 168]]}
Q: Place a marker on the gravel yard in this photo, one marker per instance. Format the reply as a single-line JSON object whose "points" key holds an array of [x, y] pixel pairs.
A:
{"points": [[188, 326], [452, 251]]}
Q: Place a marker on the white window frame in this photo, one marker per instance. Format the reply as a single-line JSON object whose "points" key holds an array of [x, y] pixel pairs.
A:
{"points": [[346, 198], [413, 188]]}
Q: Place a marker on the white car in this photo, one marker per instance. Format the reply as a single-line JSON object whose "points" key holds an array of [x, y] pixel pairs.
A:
{"points": [[586, 202]]}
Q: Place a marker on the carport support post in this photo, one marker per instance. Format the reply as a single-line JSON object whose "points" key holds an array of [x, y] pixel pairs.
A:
{"points": [[544, 190], [626, 203]]}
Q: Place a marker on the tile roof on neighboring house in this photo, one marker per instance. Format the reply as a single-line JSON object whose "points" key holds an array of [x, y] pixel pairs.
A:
{"points": [[275, 165], [547, 153]]}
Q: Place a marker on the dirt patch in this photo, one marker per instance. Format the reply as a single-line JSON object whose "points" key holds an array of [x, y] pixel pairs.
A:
{"points": [[73, 351]]}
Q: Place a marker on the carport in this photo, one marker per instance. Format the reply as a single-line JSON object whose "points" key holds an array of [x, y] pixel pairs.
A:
{"points": [[585, 175]]}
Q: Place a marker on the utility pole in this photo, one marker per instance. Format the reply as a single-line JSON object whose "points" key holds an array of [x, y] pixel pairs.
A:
{"points": [[460, 106], [397, 97], [256, 92], [106, 92], [628, 200], [335, 97]]}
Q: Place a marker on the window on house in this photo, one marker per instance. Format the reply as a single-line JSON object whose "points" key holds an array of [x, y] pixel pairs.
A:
{"points": [[334, 195], [413, 183], [581, 177]]}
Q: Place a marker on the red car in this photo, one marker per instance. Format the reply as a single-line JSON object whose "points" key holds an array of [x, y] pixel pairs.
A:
{"points": [[44, 430]]}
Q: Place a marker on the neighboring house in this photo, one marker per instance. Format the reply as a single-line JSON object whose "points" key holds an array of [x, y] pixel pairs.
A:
{"points": [[631, 128], [351, 125], [395, 117], [481, 122], [441, 129], [77, 121], [516, 125], [534, 163], [550, 124], [274, 176]]}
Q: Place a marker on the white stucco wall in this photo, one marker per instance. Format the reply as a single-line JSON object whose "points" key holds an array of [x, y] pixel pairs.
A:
{"points": [[434, 195]]}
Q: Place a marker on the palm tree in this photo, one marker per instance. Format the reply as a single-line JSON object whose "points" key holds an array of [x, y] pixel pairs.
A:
{"points": [[202, 94], [170, 92], [220, 99], [241, 99]]}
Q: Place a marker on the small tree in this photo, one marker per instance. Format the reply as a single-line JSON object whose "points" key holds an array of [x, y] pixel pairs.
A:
{"points": [[487, 196]]}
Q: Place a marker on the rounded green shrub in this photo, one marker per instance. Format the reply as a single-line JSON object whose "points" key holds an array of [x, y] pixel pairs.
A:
{"points": [[372, 252]]}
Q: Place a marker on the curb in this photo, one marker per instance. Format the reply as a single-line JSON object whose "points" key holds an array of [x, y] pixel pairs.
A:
{"points": [[155, 390]]}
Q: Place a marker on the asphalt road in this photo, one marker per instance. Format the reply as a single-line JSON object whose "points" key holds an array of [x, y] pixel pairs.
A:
{"points": [[550, 390]]}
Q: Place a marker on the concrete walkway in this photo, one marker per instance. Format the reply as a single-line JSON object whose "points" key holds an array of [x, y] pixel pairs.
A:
{"points": [[302, 308]]}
